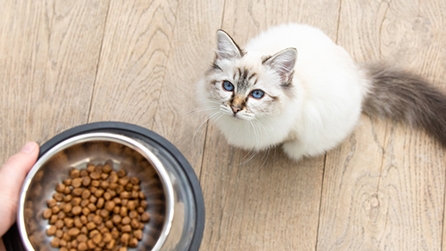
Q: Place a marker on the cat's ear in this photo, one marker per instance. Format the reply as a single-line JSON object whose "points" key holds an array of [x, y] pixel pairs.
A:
{"points": [[283, 62], [226, 47]]}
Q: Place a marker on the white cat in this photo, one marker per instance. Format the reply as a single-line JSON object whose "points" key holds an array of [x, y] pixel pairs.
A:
{"points": [[292, 85]]}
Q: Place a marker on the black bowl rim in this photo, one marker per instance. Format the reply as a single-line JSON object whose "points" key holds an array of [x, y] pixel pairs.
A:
{"points": [[12, 238]]}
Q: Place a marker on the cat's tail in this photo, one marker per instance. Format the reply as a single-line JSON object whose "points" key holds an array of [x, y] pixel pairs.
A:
{"points": [[408, 98]]}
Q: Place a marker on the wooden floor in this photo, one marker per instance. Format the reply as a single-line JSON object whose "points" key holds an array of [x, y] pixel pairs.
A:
{"points": [[66, 63]]}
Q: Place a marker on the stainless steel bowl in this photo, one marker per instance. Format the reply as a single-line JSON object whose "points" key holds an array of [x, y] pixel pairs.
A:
{"points": [[167, 180]]}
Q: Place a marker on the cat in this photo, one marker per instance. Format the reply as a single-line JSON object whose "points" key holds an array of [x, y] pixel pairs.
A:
{"points": [[293, 86]]}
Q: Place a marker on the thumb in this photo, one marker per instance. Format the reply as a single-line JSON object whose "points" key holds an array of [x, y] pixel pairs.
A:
{"points": [[12, 175]]}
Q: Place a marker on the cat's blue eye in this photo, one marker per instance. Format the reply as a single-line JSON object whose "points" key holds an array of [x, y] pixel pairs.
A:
{"points": [[228, 86], [257, 94]]}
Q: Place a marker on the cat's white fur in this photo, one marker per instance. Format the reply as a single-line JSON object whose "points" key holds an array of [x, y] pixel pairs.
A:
{"points": [[313, 115]]}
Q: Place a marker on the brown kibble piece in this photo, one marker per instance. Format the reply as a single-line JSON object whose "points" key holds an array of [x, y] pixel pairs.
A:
{"points": [[116, 219], [90, 168], [134, 223], [98, 193], [76, 201], [110, 244], [97, 238], [47, 213], [67, 182], [73, 231], [123, 181], [91, 244], [126, 229], [104, 213], [134, 180], [53, 219], [76, 210], [133, 242], [91, 225], [67, 190], [145, 217], [74, 173], [77, 182], [51, 202], [95, 183], [125, 238], [67, 208], [107, 195], [138, 234], [51, 230], [59, 224], [86, 181], [60, 187], [104, 176], [133, 214], [55, 242], [95, 176], [85, 194], [82, 246], [123, 211], [59, 233], [107, 168], [121, 173], [100, 203], [58, 197], [83, 172], [109, 205], [55, 209], [97, 219], [77, 191], [125, 220], [69, 222], [131, 205]]}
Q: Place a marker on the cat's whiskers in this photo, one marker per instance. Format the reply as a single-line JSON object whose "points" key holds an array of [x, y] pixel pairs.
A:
{"points": [[264, 158], [213, 117], [194, 111], [257, 128], [252, 152]]}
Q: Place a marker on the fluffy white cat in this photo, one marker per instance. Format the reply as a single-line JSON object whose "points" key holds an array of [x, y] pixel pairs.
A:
{"points": [[292, 85]]}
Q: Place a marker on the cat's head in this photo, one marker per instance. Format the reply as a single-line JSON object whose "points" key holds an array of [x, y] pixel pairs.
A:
{"points": [[247, 85]]}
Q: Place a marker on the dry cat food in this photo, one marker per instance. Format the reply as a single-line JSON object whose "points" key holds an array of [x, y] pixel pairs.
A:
{"points": [[97, 208]]}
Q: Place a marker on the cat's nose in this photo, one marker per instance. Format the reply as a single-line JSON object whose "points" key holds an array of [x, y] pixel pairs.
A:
{"points": [[236, 108]]}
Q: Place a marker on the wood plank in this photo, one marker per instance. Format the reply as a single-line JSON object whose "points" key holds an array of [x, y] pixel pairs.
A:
{"points": [[384, 187], [48, 60], [178, 117], [135, 52], [268, 202]]}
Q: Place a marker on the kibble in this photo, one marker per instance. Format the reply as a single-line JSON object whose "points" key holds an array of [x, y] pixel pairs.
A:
{"points": [[96, 208]]}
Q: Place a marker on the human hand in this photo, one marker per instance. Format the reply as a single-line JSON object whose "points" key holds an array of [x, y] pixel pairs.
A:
{"points": [[12, 175]]}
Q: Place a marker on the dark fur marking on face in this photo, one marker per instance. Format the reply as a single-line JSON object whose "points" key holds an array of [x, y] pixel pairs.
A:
{"points": [[216, 67], [252, 75], [242, 82], [266, 58]]}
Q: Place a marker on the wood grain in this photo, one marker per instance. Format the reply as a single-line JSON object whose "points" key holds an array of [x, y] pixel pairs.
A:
{"points": [[48, 61], [135, 52], [178, 117], [390, 193]]}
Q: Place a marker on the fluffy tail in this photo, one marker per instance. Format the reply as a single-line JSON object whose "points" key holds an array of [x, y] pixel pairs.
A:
{"points": [[407, 98]]}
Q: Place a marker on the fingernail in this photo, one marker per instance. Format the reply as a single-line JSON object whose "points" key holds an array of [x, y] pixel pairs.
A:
{"points": [[28, 147]]}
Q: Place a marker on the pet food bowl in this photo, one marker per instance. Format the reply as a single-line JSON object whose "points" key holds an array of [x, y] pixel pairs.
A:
{"points": [[173, 194]]}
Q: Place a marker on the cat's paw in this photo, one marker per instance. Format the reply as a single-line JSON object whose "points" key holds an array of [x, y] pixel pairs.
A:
{"points": [[294, 150]]}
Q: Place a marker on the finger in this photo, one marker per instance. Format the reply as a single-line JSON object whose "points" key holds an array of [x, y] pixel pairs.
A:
{"points": [[12, 175]]}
